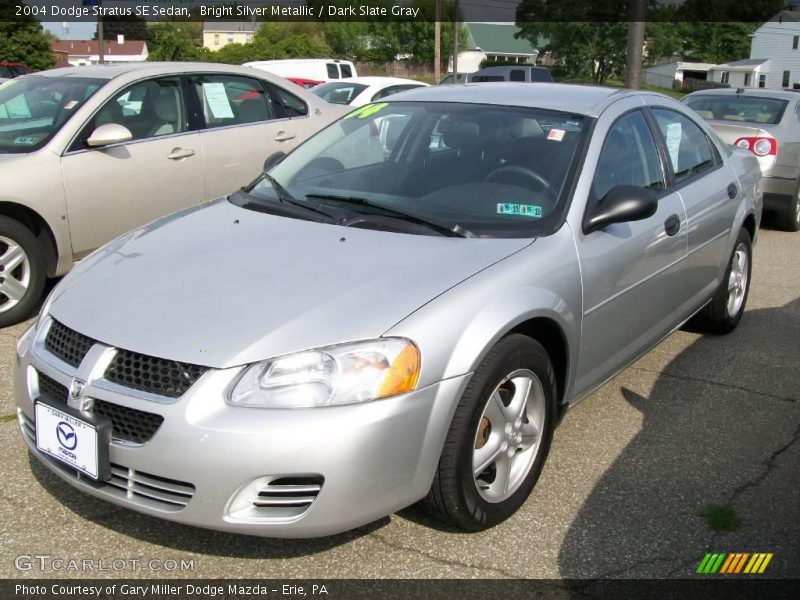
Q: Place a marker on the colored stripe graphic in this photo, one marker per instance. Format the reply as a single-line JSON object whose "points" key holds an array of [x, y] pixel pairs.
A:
{"points": [[734, 563]]}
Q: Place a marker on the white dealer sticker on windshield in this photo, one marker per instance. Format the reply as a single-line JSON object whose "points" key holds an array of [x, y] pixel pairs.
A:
{"points": [[674, 143], [218, 100]]}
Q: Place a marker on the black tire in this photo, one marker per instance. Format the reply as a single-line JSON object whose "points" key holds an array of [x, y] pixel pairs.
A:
{"points": [[715, 316], [454, 497], [788, 217], [34, 271]]}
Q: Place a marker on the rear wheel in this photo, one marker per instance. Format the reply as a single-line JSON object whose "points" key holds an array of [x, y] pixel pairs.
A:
{"points": [[22, 272], [788, 218], [498, 439], [723, 313]]}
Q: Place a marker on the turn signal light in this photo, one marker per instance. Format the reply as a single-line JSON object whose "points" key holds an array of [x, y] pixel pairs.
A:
{"points": [[760, 146]]}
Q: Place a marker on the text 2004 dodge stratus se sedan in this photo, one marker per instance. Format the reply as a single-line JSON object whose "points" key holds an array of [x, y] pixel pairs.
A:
{"points": [[400, 309]]}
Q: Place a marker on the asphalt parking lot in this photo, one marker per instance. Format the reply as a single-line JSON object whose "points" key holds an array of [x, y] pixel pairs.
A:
{"points": [[699, 426]]}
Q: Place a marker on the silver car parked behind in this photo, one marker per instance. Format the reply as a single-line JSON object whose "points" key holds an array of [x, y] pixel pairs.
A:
{"points": [[766, 122], [402, 309]]}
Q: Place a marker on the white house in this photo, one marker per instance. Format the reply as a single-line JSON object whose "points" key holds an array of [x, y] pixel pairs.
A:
{"points": [[87, 52], [774, 55], [494, 41], [750, 72], [665, 75], [218, 34]]}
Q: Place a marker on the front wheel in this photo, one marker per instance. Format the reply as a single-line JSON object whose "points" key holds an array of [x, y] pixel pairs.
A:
{"points": [[499, 437], [22, 272], [723, 313]]}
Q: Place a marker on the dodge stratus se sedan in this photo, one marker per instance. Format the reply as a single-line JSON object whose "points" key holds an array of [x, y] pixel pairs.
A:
{"points": [[399, 310]]}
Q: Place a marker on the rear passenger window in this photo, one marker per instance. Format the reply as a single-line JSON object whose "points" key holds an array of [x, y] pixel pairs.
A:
{"points": [[333, 71], [688, 149], [291, 104], [516, 75], [232, 100], [346, 72], [629, 157]]}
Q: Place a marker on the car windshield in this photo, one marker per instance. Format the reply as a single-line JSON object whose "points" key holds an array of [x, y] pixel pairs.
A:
{"points": [[482, 170], [33, 109], [338, 92], [739, 107]]}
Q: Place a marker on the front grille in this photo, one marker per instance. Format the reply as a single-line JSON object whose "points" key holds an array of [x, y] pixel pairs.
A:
{"points": [[153, 375], [128, 424], [67, 344], [138, 487], [50, 387]]}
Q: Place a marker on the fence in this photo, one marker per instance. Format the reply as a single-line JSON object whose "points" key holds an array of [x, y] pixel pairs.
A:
{"points": [[396, 68]]}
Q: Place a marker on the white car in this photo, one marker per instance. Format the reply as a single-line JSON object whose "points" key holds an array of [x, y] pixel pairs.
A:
{"points": [[358, 91], [88, 153], [316, 70]]}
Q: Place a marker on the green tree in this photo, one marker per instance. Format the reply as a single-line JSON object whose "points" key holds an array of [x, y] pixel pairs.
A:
{"points": [[174, 41], [22, 39], [347, 39], [588, 38]]}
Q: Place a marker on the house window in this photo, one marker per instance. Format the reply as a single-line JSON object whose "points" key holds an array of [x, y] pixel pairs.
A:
{"points": [[795, 42], [786, 76], [216, 39], [762, 80], [747, 79], [230, 38], [725, 77]]}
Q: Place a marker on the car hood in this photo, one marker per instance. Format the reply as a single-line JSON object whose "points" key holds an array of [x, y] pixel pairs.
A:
{"points": [[222, 286]]}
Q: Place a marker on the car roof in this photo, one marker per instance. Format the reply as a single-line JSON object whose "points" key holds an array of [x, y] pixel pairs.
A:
{"points": [[143, 68], [579, 99], [758, 92]]}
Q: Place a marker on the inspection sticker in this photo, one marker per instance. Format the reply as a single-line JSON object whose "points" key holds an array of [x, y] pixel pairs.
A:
{"points": [[524, 210], [555, 135]]}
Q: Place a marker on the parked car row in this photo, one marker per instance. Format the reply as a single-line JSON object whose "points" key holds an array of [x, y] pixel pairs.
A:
{"points": [[88, 153], [400, 309]]}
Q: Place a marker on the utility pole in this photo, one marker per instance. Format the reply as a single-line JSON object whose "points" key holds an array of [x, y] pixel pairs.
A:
{"points": [[633, 57], [100, 41], [455, 43], [437, 42]]}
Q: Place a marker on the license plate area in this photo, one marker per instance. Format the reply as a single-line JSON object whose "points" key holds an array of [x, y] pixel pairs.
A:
{"points": [[76, 439]]}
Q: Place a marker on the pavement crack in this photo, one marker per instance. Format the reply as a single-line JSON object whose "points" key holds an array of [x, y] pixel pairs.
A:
{"points": [[717, 383], [444, 561], [739, 490], [622, 570]]}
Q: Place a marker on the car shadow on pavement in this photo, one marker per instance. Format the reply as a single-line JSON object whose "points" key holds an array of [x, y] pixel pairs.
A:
{"points": [[183, 537], [715, 466]]}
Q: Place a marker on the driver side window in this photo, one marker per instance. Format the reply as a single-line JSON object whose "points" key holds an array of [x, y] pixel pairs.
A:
{"points": [[629, 157]]}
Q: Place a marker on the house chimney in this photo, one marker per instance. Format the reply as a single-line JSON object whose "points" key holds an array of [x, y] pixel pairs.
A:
{"points": [[120, 39]]}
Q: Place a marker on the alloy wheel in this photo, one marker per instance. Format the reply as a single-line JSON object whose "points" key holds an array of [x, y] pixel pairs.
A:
{"points": [[15, 273], [737, 280], [508, 436]]}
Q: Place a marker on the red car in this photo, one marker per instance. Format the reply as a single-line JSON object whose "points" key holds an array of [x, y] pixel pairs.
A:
{"points": [[9, 70], [304, 83]]}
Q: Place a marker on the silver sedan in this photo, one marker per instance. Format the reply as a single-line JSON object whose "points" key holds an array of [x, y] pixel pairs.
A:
{"points": [[400, 310]]}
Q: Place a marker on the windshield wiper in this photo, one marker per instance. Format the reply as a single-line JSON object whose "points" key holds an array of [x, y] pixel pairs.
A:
{"points": [[286, 197], [455, 231]]}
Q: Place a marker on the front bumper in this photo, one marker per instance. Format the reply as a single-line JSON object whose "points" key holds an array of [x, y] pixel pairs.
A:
{"points": [[208, 458]]}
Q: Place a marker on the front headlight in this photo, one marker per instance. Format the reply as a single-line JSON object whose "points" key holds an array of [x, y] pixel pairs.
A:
{"points": [[344, 374]]}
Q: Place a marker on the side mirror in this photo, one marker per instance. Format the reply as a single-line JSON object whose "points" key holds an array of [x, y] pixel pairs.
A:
{"points": [[110, 133], [273, 159], [621, 204]]}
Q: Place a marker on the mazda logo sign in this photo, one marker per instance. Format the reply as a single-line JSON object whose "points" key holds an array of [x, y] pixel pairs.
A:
{"points": [[66, 435]]}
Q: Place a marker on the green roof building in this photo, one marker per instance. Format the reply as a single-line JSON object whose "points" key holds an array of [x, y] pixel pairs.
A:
{"points": [[495, 41]]}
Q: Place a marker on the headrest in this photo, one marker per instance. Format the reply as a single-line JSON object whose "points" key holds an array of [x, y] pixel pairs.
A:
{"points": [[461, 135], [167, 105]]}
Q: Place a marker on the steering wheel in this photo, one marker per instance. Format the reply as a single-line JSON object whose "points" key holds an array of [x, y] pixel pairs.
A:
{"points": [[514, 170]]}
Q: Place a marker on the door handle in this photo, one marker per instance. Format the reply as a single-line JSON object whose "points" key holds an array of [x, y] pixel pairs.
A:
{"points": [[672, 225], [733, 191], [284, 136], [178, 153]]}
